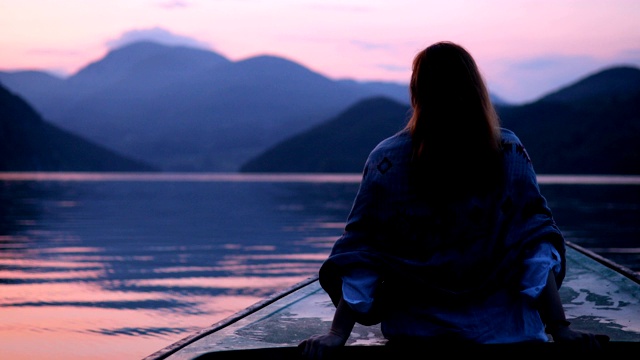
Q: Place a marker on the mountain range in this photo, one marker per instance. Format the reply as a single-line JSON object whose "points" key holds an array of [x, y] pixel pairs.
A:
{"points": [[589, 127], [186, 109], [176, 108]]}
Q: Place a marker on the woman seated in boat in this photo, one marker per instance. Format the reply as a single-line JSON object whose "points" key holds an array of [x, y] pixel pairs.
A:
{"points": [[449, 237]]}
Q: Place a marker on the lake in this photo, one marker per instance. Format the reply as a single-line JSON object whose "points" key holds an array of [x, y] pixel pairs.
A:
{"points": [[103, 266]]}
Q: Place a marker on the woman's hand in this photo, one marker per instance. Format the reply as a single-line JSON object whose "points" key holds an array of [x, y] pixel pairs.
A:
{"points": [[585, 341], [321, 346]]}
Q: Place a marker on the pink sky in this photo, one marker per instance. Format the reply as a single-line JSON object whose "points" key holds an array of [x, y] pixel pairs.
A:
{"points": [[525, 48]]}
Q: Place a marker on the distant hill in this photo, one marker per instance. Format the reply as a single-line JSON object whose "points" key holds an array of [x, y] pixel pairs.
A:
{"points": [[589, 127], [619, 82], [338, 145], [185, 109], [28, 143]]}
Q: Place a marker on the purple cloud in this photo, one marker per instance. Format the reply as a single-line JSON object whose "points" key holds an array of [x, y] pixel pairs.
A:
{"points": [[158, 35]]}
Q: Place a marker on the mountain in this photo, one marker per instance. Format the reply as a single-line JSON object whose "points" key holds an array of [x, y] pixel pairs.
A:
{"points": [[28, 143], [338, 145], [183, 109], [619, 82], [589, 127], [140, 64]]}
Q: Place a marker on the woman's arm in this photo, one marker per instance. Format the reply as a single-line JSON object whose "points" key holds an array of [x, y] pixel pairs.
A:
{"points": [[553, 315], [321, 346]]}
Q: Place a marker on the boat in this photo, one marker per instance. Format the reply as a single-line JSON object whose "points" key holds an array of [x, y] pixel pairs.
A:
{"points": [[599, 296]]}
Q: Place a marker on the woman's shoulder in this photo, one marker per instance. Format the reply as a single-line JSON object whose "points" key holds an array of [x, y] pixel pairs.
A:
{"points": [[392, 152], [398, 141], [508, 135], [513, 149]]}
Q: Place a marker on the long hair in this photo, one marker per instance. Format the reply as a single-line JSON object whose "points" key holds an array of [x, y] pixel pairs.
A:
{"points": [[454, 126]]}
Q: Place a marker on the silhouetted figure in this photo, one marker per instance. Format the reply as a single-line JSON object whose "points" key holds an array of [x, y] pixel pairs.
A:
{"points": [[449, 238]]}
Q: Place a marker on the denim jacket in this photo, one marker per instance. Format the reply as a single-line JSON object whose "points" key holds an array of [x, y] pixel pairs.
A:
{"points": [[418, 256]]}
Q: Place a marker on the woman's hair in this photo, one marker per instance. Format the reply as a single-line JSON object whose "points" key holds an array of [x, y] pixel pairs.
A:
{"points": [[454, 126]]}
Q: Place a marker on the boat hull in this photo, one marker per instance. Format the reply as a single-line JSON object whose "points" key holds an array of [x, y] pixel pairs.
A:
{"points": [[598, 296]]}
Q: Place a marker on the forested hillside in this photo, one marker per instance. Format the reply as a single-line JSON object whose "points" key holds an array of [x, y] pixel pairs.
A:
{"points": [[28, 143]]}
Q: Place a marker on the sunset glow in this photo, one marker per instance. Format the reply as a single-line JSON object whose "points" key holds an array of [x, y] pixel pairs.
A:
{"points": [[525, 48]]}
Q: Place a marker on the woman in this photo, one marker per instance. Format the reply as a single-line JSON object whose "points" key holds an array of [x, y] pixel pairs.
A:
{"points": [[449, 238]]}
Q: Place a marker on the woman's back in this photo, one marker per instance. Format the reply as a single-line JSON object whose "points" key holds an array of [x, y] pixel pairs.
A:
{"points": [[449, 236]]}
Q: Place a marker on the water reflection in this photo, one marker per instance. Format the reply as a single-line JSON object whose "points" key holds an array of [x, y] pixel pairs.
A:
{"points": [[116, 265], [602, 218], [136, 265], [20, 207]]}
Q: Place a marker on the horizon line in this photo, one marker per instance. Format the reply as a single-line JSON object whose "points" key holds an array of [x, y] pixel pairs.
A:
{"points": [[552, 179]]}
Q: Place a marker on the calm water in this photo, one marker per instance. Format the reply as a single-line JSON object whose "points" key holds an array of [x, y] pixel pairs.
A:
{"points": [[96, 266]]}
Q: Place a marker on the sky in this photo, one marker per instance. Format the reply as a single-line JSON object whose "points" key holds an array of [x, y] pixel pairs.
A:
{"points": [[524, 48]]}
